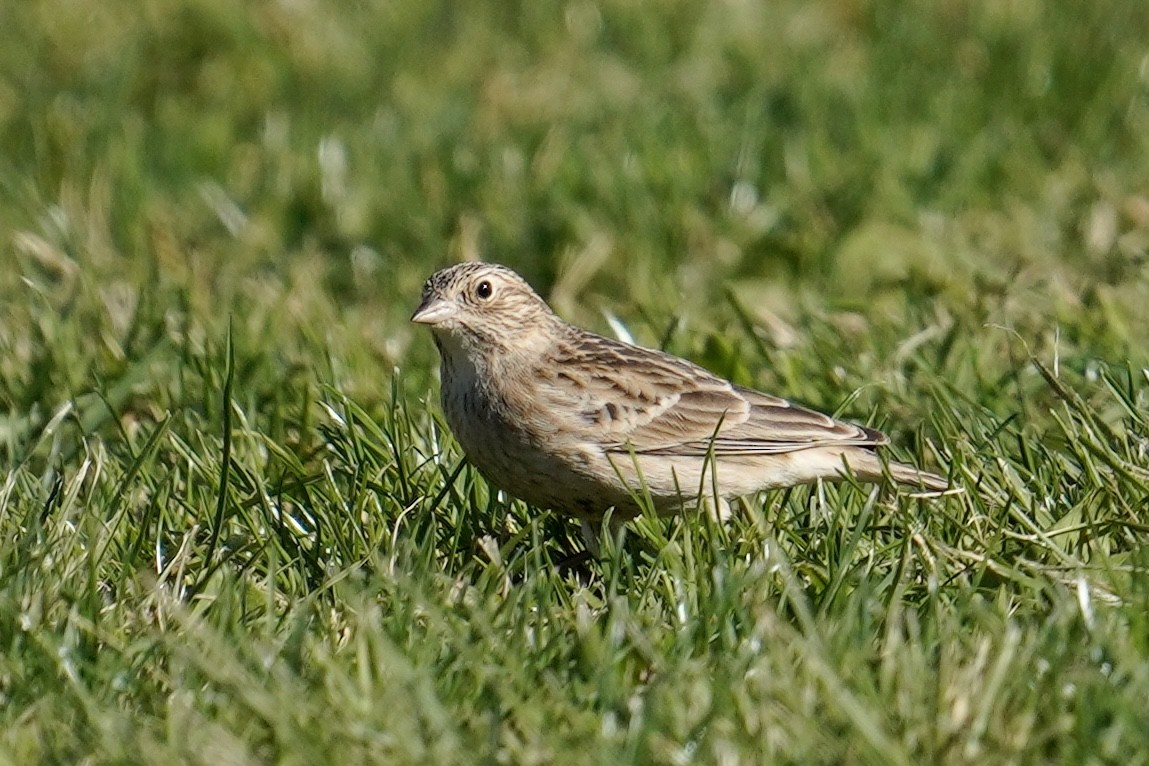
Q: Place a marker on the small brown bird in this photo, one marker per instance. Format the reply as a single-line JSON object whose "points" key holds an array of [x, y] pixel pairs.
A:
{"points": [[569, 420]]}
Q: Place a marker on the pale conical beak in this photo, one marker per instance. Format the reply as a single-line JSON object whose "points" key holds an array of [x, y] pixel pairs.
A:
{"points": [[433, 311]]}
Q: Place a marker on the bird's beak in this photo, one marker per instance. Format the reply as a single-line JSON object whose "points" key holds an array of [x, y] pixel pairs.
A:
{"points": [[433, 310]]}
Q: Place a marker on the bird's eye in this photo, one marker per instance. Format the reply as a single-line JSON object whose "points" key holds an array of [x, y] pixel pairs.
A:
{"points": [[484, 290]]}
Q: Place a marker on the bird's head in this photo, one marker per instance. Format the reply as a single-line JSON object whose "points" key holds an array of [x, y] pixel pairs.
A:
{"points": [[483, 308]]}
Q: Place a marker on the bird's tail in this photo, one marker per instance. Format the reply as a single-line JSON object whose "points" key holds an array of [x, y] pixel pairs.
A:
{"points": [[869, 467]]}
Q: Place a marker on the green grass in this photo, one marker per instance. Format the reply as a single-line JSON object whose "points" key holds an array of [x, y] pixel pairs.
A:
{"points": [[233, 528]]}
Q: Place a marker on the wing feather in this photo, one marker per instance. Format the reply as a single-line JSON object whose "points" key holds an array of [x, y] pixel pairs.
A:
{"points": [[643, 400]]}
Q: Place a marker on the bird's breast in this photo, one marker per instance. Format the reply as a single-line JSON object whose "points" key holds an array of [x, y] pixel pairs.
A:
{"points": [[478, 413], [515, 442]]}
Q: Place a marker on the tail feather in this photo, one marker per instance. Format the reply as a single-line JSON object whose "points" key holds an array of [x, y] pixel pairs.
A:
{"points": [[869, 467]]}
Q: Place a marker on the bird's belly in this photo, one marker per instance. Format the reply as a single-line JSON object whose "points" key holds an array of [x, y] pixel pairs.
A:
{"points": [[676, 480]]}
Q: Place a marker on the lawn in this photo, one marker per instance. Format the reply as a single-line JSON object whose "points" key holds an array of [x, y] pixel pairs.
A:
{"points": [[234, 528]]}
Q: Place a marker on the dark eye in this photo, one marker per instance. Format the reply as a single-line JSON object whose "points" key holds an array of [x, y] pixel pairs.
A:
{"points": [[484, 290]]}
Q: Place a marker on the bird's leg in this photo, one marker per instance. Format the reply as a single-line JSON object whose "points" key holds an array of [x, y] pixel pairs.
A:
{"points": [[590, 532], [717, 508], [576, 561], [719, 515]]}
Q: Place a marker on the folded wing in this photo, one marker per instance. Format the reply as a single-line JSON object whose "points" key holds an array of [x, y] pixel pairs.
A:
{"points": [[648, 402]]}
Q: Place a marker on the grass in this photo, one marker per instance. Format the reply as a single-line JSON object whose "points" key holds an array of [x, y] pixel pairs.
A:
{"points": [[233, 528]]}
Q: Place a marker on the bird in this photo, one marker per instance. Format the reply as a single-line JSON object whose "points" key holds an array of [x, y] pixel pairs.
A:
{"points": [[582, 424]]}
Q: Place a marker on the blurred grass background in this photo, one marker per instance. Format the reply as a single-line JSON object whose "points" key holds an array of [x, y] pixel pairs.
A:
{"points": [[234, 531]]}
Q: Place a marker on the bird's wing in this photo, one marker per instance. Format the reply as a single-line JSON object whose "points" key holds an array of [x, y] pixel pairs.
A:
{"points": [[636, 399]]}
